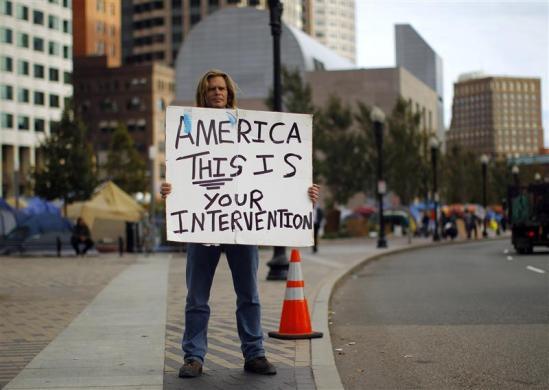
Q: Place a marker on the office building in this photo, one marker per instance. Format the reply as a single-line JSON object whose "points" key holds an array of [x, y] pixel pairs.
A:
{"points": [[35, 81], [155, 30], [134, 95], [332, 23], [497, 115], [417, 56], [377, 87], [99, 28]]}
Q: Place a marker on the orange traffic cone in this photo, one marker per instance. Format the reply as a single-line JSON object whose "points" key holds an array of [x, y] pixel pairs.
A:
{"points": [[295, 322]]}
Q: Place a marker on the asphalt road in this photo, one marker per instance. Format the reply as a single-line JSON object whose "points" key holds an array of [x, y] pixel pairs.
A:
{"points": [[463, 316]]}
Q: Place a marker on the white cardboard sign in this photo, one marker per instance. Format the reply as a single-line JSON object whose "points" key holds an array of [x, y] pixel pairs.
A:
{"points": [[238, 176]]}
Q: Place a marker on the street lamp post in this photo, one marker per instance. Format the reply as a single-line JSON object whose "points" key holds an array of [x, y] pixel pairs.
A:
{"points": [[515, 170], [152, 230], [378, 119], [434, 155], [278, 265], [484, 161]]}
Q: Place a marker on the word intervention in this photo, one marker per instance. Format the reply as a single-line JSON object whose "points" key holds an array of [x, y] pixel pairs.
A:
{"points": [[219, 132], [217, 220]]}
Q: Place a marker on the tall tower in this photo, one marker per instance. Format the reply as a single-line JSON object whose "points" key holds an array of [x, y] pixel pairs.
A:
{"points": [[333, 24], [497, 115], [414, 54], [155, 30], [35, 81], [98, 31]]}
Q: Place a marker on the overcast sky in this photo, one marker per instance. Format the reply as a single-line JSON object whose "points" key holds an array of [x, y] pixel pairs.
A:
{"points": [[497, 37]]}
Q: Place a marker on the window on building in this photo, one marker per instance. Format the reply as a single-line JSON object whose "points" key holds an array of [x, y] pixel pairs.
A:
{"points": [[22, 40], [67, 3], [6, 35], [67, 27], [38, 44], [6, 64], [6, 92], [54, 74], [6, 120], [134, 104], [100, 47], [67, 51], [22, 12], [38, 17], [39, 125], [53, 22], [23, 122], [54, 100], [54, 48], [195, 18], [67, 77], [6, 7], [23, 67], [23, 95], [38, 71], [39, 98]]}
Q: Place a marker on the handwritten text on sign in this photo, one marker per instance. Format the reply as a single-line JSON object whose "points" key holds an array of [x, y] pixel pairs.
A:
{"points": [[238, 176]]}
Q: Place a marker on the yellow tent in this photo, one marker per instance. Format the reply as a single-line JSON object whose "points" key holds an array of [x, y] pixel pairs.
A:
{"points": [[13, 202], [109, 202]]}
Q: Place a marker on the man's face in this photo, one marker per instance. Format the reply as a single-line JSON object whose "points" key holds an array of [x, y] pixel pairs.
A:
{"points": [[216, 95]]}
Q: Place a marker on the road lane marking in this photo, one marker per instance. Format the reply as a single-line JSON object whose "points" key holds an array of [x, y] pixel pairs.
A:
{"points": [[534, 269], [509, 258]]}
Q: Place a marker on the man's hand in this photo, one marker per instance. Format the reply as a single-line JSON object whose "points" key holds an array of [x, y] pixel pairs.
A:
{"points": [[314, 193], [165, 189]]}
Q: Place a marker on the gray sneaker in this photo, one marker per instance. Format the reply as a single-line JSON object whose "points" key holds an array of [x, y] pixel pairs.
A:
{"points": [[260, 365], [190, 369]]}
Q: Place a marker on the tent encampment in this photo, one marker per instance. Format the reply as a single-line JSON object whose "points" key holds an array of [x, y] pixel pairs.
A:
{"points": [[108, 202]]}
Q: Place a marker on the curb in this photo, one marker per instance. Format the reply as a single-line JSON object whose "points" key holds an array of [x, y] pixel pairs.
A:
{"points": [[325, 373]]}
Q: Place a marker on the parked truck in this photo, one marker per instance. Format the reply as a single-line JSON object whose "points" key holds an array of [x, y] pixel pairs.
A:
{"points": [[528, 213]]}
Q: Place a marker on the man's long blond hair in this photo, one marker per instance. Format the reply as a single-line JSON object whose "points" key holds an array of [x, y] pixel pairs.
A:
{"points": [[202, 88]]}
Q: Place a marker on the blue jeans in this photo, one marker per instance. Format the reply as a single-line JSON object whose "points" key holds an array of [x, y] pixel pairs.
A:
{"points": [[201, 264]]}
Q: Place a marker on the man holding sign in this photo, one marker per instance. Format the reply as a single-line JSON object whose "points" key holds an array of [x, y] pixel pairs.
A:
{"points": [[239, 153]]}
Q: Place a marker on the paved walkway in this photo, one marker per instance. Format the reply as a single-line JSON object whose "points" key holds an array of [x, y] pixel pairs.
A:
{"points": [[129, 335]]}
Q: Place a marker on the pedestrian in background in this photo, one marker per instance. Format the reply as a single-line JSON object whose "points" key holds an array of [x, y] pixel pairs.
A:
{"points": [[216, 89], [81, 235], [318, 218]]}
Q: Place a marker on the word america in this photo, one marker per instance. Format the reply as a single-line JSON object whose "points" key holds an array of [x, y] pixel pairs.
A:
{"points": [[220, 132]]}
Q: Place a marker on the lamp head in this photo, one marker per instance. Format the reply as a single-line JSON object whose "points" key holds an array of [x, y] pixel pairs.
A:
{"points": [[484, 159], [377, 115], [434, 142], [515, 170]]}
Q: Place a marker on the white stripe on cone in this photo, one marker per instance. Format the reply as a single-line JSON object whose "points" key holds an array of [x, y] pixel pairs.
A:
{"points": [[294, 294], [294, 273]]}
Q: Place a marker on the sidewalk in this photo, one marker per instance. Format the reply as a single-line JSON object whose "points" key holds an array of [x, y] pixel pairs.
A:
{"points": [[129, 336]]}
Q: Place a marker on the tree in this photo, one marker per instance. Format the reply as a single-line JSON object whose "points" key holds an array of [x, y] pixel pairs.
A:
{"points": [[406, 161], [124, 165], [462, 176], [342, 149], [297, 97], [369, 149], [67, 171]]}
